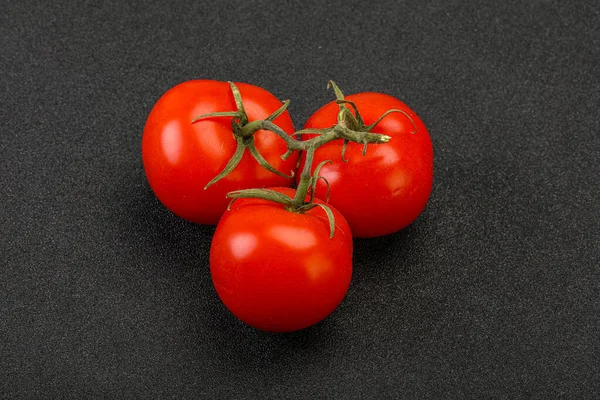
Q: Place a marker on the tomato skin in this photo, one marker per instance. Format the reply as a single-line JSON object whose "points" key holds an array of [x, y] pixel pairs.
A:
{"points": [[388, 188], [180, 158], [278, 270]]}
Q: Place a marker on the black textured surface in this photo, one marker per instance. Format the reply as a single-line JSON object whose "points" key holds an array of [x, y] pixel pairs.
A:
{"points": [[492, 293]]}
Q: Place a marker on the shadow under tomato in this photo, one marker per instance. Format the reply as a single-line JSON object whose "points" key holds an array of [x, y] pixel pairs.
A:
{"points": [[169, 239], [251, 349], [387, 267], [385, 251]]}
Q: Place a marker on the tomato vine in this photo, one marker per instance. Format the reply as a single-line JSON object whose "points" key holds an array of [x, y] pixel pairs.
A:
{"points": [[350, 127]]}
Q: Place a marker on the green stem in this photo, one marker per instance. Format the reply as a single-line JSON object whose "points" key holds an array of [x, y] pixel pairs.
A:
{"points": [[291, 143], [305, 178], [311, 145], [350, 127], [249, 129], [326, 136]]}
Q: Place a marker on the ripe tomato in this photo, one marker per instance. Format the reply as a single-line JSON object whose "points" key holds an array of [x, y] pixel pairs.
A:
{"points": [[180, 158], [279, 270], [388, 188]]}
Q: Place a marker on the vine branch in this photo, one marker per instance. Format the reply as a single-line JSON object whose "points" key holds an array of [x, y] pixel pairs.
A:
{"points": [[350, 127]]}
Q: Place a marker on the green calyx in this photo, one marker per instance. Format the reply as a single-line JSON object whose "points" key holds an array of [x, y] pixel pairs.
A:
{"points": [[243, 131], [289, 203], [350, 120]]}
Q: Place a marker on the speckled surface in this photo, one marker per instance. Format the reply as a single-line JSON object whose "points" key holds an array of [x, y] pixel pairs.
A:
{"points": [[493, 293]]}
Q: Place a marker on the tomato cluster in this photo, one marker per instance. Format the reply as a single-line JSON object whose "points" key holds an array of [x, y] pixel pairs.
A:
{"points": [[281, 257]]}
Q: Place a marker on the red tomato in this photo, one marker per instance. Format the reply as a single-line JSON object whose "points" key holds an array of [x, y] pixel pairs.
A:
{"points": [[180, 158], [279, 270], [385, 190]]}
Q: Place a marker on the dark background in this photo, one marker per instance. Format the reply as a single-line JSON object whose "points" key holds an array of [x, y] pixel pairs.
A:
{"points": [[492, 293]]}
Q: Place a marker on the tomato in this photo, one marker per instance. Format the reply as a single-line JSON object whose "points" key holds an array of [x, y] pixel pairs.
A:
{"points": [[279, 270], [180, 158], [388, 188]]}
